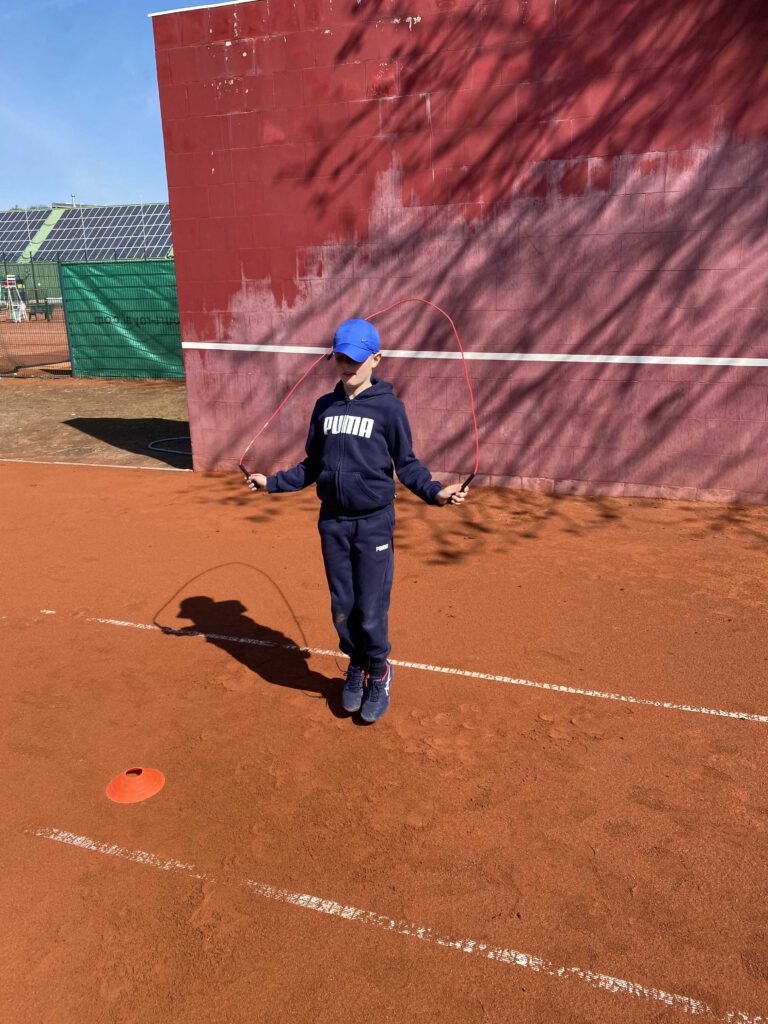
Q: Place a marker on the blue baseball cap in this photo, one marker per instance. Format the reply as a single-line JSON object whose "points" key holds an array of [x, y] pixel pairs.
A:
{"points": [[357, 339]]}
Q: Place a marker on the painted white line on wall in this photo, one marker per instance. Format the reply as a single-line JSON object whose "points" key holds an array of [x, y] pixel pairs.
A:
{"points": [[742, 716], [97, 465], [472, 947], [202, 7], [509, 357]]}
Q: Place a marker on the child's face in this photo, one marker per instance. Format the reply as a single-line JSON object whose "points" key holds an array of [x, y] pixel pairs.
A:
{"points": [[353, 374]]}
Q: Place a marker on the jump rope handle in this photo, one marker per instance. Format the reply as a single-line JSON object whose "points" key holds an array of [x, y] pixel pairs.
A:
{"points": [[464, 486], [246, 474]]}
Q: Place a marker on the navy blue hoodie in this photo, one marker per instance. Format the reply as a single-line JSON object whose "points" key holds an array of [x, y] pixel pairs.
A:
{"points": [[352, 446]]}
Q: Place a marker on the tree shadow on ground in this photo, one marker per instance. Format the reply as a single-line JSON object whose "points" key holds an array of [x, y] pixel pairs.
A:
{"points": [[495, 519], [747, 522], [267, 652], [491, 520], [136, 434]]}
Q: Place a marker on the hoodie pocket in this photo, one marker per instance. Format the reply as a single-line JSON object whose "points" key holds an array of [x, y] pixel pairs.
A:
{"points": [[366, 495]]}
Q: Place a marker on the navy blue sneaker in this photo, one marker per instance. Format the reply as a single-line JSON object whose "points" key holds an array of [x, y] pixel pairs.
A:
{"points": [[352, 694], [376, 699]]}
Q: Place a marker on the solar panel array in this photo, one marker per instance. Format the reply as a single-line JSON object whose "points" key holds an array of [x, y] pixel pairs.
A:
{"points": [[17, 229], [139, 231]]}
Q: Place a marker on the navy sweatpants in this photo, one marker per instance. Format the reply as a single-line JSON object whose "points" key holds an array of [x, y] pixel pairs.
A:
{"points": [[359, 564]]}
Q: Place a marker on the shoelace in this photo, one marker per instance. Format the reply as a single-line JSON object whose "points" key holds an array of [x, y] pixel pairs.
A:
{"points": [[356, 678], [378, 686], [375, 692]]}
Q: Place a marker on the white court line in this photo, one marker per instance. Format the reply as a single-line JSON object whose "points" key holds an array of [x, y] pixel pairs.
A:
{"points": [[742, 716], [473, 947], [98, 465]]}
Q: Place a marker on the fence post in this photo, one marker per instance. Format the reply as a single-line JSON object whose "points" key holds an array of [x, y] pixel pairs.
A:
{"points": [[64, 311], [34, 280]]}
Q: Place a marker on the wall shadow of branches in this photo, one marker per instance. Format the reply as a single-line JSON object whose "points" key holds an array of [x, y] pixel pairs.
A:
{"points": [[594, 181]]}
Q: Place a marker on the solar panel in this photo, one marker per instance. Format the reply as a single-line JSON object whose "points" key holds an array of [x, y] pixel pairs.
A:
{"points": [[137, 231], [17, 229]]}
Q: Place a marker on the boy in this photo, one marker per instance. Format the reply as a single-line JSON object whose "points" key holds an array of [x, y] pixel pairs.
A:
{"points": [[357, 435]]}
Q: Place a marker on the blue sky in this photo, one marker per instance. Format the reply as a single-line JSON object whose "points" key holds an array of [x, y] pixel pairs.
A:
{"points": [[79, 110]]}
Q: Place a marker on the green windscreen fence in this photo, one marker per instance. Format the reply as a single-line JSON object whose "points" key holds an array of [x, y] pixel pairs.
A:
{"points": [[122, 318]]}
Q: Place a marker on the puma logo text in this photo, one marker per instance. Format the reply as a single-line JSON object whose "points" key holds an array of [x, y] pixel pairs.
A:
{"points": [[360, 426]]}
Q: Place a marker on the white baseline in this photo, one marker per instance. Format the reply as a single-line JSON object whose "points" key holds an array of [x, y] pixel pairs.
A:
{"points": [[472, 947], [99, 465], [743, 716]]}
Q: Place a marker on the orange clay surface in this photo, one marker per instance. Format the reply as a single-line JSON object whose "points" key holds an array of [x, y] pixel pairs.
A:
{"points": [[623, 839], [34, 342]]}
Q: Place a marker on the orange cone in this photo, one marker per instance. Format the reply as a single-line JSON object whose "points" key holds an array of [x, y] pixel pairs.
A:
{"points": [[135, 784]]}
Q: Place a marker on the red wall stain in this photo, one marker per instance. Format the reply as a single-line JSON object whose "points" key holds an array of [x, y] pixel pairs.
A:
{"points": [[567, 178]]}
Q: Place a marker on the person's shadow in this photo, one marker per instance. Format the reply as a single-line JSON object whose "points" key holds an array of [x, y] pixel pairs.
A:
{"points": [[272, 655]]}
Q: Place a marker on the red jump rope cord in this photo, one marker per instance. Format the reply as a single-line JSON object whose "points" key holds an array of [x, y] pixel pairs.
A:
{"points": [[370, 317], [463, 363], [277, 410]]}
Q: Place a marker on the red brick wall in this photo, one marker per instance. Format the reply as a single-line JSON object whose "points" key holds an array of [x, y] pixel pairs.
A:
{"points": [[565, 177]]}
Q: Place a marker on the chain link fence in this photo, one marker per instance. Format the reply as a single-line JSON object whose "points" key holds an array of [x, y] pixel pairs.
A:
{"points": [[33, 333], [116, 318]]}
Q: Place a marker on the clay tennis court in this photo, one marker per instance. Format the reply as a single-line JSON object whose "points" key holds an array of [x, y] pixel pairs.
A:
{"points": [[38, 342], [570, 825]]}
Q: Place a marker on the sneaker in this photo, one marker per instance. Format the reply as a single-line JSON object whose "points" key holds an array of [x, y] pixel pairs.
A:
{"points": [[377, 695], [352, 694]]}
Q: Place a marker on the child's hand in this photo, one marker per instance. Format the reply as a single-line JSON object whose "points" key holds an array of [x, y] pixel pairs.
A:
{"points": [[451, 495], [257, 482]]}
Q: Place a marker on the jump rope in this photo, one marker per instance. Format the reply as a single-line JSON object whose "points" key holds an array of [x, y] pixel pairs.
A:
{"points": [[324, 355]]}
